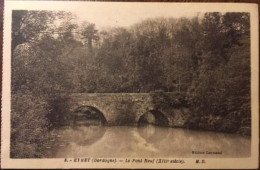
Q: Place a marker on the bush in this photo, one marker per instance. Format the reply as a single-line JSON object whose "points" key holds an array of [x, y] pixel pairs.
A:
{"points": [[29, 126]]}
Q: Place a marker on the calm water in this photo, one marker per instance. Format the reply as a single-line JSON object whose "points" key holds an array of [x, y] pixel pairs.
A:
{"points": [[145, 141]]}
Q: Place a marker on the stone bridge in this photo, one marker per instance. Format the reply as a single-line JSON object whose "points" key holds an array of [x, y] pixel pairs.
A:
{"points": [[126, 108]]}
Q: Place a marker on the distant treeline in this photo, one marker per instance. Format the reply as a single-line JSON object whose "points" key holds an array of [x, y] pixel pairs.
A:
{"points": [[205, 58]]}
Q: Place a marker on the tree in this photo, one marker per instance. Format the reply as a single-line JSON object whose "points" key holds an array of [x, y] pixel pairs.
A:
{"points": [[41, 46], [89, 34], [29, 26], [216, 89]]}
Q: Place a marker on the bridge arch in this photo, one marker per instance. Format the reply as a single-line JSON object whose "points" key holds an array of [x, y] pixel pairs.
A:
{"points": [[88, 115], [158, 118]]}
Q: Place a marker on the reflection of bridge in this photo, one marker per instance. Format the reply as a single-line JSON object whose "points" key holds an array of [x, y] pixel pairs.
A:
{"points": [[125, 108]]}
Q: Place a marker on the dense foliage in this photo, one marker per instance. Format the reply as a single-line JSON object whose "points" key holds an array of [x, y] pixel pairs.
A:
{"points": [[204, 59], [29, 126]]}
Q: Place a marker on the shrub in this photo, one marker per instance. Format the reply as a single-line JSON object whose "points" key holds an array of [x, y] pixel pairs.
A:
{"points": [[28, 125]]}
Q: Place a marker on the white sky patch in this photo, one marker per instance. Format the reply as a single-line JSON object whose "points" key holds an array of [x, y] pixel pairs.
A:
{"points": [[125, 14]]}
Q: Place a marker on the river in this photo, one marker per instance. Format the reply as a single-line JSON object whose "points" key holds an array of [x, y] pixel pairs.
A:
{"points": [[145, 141]]}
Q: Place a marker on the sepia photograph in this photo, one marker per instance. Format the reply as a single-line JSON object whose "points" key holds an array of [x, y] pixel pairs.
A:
{"points": [[134, 84]]}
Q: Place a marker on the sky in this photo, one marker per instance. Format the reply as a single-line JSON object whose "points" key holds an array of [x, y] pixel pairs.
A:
{"points": [[125, 14]]}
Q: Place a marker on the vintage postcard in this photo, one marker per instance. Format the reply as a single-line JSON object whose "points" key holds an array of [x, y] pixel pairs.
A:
{"points": [[130, 85]]}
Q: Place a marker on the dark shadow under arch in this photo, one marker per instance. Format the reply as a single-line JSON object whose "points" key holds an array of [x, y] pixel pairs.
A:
{"points": [[159, 118], [89, 115]]}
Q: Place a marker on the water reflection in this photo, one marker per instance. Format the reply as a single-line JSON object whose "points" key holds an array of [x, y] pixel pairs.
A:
{"points": [[67, 138], [148, 141], [87, 136], [153, 134]]}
